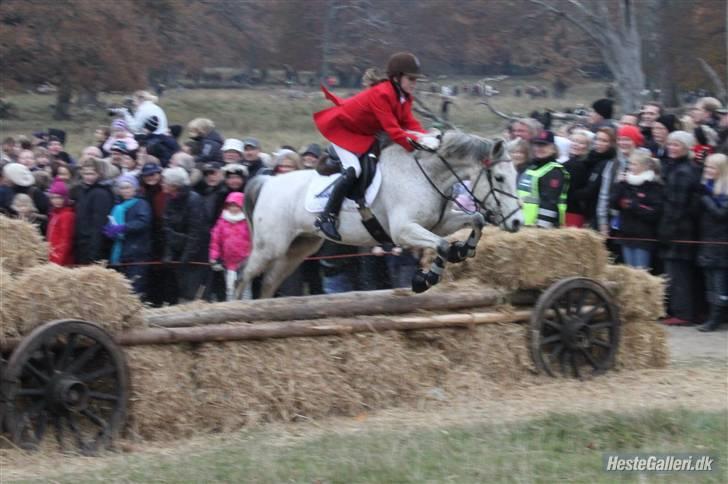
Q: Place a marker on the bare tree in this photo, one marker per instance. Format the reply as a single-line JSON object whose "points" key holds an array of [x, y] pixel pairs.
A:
{"points": [[617, 35]]}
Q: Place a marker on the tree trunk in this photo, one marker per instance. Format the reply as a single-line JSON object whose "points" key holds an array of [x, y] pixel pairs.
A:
{"points": [[291, 329], [62, 109]]}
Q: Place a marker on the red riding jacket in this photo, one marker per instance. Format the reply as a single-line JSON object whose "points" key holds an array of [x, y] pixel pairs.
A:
{"points": [[354, 122]]}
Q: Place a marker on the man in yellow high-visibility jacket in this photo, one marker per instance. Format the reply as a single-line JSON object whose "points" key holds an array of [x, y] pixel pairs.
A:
{"points": [[544, 185]]}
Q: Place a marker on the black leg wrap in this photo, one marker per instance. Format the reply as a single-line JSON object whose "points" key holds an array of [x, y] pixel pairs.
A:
{"points": [[422, 281], [458, 252]]}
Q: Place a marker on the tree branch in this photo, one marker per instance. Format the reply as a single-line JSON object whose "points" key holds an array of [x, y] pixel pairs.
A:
{"points": [[590, 33], [714, 78], [500, 114]]}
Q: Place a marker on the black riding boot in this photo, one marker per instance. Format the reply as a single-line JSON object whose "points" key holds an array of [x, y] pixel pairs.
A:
{"points": [[327, 221], [718, 314]]}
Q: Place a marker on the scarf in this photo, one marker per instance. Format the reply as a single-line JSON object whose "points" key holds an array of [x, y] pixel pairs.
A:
{"points": [[595, 157], [637, 180], [119, 215], [721, 199], [232, 218]]}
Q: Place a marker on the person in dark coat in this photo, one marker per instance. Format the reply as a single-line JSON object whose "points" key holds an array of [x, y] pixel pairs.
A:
{"points": [[579, 168], [130, 229], [184, 232], [678, 222], [602, 154], [713, 258], [252, 160], [93, 206], [213, 193], [638, 199], [208, 140]]}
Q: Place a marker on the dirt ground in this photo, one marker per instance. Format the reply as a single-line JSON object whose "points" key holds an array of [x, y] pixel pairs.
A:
{"points": [[695, 380]]}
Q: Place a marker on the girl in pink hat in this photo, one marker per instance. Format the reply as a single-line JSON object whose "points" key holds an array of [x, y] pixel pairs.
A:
{"points": [[230, 243]]}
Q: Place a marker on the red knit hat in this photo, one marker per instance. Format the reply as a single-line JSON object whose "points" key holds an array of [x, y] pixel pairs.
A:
{"points": [[631, 132]]}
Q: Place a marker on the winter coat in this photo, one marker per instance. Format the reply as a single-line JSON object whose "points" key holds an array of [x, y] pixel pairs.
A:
{"points": [[214, 198], [185, 230], [230, 241], [92, 206], [144, 111], [137, 243], [579, 170], [355, 123], [157, 200], [678, 221], [161, 146], [713, 227], [60, 236], [589, 194], [640, 208], [210, 148]]}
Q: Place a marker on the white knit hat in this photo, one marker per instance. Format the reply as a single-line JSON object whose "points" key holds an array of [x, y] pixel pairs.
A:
{"points": [[18, 174], [176, 176], [682, 137], [233, 144]]}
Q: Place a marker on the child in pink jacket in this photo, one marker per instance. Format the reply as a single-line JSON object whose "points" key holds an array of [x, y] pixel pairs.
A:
{"points": [[230, 242]]}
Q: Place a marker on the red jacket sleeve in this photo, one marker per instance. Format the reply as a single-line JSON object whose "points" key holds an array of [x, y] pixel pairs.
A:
{"points": [[382, 108], [331, 96]]}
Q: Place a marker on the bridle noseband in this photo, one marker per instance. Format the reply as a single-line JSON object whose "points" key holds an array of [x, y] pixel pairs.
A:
{"points": [[487, 168]]}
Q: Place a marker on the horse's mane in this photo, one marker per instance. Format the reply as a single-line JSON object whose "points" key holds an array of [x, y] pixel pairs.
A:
{"points": [[456, 144]]}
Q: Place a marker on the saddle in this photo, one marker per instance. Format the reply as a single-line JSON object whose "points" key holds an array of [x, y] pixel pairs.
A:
{"points": [[331, 165]]}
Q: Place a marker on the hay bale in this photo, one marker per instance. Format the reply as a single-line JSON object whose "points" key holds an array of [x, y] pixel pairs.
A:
{"points": [[162, 404], [22, 246], [91, 293], [8, 328], [639, 294], [643, 345], [533, 258]]}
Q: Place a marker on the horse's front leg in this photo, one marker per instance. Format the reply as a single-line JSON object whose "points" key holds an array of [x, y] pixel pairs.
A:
{"points": [[414, 235], [453, 222]]}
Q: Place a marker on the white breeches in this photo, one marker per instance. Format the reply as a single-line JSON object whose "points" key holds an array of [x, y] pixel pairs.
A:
{"points": [[348, 159]]}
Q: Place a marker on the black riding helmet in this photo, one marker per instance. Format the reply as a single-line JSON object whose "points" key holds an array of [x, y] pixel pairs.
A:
{"points": [[403, 63]]}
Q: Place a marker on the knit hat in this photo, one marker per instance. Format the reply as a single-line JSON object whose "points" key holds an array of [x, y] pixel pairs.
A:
{"points": [[604, 107], [633, 133], [18, 174], [127, 180], [252, 142], [151, 124], [120, 147], [59, 189], [669, 121], [176, 176], [119, 124], [235, 198], [150, 168], [682, 137], [235, 169], [313, 149]]}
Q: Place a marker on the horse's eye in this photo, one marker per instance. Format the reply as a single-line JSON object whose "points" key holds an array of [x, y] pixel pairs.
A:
{"points": [[499, 178]]}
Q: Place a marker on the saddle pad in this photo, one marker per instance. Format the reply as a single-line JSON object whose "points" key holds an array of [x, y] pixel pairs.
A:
{"points": [[320, 187]]}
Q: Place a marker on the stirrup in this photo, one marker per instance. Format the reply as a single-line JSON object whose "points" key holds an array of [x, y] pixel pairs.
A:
{"points": [[326, 223]]}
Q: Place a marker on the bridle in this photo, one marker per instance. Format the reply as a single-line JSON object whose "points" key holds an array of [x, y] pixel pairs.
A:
{"points": [[487, 168]]}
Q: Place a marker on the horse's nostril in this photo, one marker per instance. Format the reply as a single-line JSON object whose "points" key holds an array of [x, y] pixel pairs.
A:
{"points": [[515, 227]]}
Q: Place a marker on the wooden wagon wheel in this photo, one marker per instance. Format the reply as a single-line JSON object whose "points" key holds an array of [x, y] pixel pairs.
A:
{"points": [[574, 327], [69, 377]]}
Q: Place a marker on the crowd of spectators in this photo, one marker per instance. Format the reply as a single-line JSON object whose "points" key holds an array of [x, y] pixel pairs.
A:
{"points": [[169, 213]]}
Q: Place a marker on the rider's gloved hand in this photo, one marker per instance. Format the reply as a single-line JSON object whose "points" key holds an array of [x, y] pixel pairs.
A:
{"points": [[429, 142]]}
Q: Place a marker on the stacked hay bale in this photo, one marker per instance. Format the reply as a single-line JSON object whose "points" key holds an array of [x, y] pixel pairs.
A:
{"points": [[641, 300], [22, 246]]}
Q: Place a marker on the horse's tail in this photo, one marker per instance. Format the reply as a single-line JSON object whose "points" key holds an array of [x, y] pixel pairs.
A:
{"points": [[252, 190]]}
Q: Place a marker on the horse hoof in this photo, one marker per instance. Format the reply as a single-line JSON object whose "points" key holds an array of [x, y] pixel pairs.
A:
{"points": [[458, 252], [419, 282]]}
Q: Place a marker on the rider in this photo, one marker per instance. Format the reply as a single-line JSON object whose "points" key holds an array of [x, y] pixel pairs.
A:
{"points": [[353, 124]]}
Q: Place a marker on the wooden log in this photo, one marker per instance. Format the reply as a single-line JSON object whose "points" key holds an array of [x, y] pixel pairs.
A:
{"points": [[289, 329], [391, 301]]}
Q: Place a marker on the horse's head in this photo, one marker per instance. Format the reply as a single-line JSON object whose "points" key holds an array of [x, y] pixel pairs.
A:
{"points": [[492, 174]]}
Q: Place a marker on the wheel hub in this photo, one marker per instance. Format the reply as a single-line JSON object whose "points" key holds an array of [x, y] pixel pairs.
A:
{"points": [[576, 335], [69, 393]]}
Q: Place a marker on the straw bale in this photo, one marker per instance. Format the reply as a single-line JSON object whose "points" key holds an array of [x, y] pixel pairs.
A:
{"points": [[643, 345], [8, 328], [533, 258], [640, 295], [22, 246], [91, 293], [162, 403]]}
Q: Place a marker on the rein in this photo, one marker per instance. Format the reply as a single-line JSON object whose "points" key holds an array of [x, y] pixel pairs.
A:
{"points": [[480, 204]]}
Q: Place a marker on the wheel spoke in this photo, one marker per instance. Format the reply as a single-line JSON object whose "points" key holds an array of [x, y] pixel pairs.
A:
{"points": [[562, 362], [560, 315], [31, 392], [589, 315], [575, 365], [590, 358], [49, 359], [73, 425], [100, 373], [551, 339], [40, 426], [552, 323], [85, 357], [58, 424], [36, 373], [67, 351], [580, 302], [601, 343], [601, 325], [95, 418], [103, 396]]}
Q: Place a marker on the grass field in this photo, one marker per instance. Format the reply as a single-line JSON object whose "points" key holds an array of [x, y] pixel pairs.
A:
{"points": [[558, 448], [270, 114]]}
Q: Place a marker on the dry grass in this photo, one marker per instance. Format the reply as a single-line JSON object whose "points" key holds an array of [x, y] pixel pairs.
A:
{"points": [[22, 246], [639, 295], [91, 293], [643, 345]]}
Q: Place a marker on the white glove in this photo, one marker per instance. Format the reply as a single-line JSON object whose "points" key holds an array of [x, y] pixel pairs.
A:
{"points": [[429, 142]]}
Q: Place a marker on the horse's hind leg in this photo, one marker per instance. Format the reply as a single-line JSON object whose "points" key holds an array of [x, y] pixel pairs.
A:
{"points": [[284, 266]]}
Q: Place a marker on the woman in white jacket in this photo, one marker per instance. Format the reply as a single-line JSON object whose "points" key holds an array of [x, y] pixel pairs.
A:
{"points": [[144, 108]]}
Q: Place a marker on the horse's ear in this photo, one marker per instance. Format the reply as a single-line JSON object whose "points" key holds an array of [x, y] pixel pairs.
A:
{"points": [[498, 150]]}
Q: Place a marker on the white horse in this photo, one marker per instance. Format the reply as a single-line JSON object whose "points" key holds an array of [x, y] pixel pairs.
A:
{"points": [[414, 205]]}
